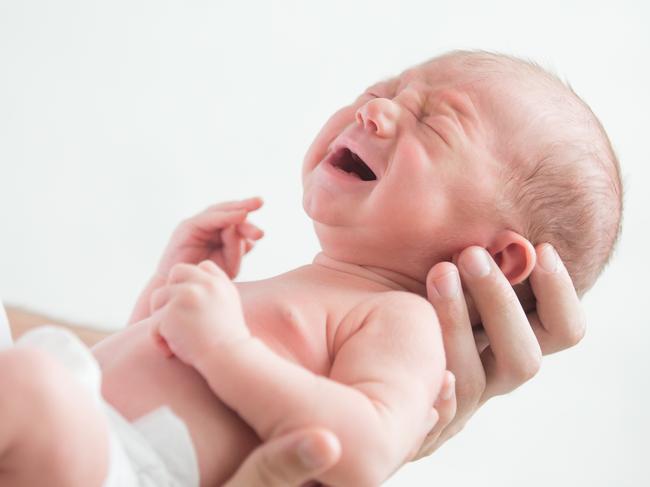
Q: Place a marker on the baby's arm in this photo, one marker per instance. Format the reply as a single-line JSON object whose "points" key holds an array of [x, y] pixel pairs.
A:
{"points": [[378, 399]]}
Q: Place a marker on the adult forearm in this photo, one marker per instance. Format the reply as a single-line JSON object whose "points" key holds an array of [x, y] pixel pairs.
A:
{"points": [[21, 321], [274, 396]]}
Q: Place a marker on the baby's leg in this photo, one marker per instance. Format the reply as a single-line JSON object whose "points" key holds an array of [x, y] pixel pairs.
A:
{"points": [[51, 430], [5, 331]]}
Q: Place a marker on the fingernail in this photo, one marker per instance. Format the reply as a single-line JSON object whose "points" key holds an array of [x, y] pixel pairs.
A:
{"points": [[548, 259], [310, 454], [448, 391], [475, 262], [447, 285]]}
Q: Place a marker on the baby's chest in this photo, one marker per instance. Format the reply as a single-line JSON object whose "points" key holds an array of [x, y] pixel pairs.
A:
{"points": [[284, 319], [296, 327]]}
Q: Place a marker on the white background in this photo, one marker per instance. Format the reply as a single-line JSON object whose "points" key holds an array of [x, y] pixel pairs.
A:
{"points": [[119, 118]]}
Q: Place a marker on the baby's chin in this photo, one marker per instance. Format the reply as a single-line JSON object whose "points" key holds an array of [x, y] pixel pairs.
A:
{"points": [[318, 211]]}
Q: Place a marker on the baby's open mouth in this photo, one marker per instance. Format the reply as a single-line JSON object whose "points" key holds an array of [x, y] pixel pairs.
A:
{"points": [[348, 161]]}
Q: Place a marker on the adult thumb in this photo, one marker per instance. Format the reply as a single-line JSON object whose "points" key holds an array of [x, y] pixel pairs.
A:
{"points": [[288, 461]]}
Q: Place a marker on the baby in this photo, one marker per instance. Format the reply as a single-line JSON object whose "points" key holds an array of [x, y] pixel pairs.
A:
{"points": [[470, 148]]}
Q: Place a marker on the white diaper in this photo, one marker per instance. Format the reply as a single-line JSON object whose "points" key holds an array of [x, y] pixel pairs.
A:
{"points": [[155, 450]]}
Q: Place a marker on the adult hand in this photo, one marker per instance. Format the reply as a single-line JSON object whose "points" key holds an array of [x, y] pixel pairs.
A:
{"points": [[288, 461], [515, 340]]}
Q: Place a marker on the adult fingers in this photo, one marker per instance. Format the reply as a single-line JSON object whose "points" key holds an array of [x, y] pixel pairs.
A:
{"points": [[514, 355], [550, 289], [445, 294], [445, 407], [559, 321], [288, 461], [480, 339]]}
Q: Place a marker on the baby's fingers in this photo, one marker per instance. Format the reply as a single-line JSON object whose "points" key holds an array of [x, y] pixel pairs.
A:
{"points": [[247, 230], [233, 250], [208, 224], [157, 338], [219, 216], [163, 345], [248, 204], [187, 273], [159, 298], [248, 246], [211, 268]]}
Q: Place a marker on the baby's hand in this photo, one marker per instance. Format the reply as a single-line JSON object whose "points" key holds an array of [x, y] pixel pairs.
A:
{"points": [[221, 233], [196, 311]]}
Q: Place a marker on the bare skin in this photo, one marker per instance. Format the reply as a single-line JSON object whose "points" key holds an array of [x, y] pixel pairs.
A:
{"points": [[137, 377], [459, 342], [23, 320], [133, 366], [288, 461]]}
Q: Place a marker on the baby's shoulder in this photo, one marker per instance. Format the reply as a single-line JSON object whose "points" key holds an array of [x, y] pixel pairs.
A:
{"points": [[397, 302], [390, 310]]}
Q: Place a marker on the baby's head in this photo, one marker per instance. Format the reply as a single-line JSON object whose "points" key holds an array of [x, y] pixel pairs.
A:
{"points": [[470, 148]]}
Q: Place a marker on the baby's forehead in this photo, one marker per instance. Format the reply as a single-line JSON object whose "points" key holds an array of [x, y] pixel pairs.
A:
{"points": [[434, 74], [495, 98], [443, 82]]}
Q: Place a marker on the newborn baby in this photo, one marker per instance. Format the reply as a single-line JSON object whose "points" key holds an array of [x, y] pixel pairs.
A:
{"points": [[467, 149]]}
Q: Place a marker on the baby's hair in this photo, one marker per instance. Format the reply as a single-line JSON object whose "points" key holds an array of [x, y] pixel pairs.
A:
{"points": [[562, 181]]}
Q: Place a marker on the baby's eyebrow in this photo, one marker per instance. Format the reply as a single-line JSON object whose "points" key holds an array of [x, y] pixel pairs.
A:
{"points": [[386, 84], [457, 104]]}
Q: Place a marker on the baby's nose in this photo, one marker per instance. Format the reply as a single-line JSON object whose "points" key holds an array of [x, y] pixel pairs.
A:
{"points": [[379, 116]]}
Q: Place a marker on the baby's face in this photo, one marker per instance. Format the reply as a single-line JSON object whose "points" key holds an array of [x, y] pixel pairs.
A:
{"points": [[400, 173]]}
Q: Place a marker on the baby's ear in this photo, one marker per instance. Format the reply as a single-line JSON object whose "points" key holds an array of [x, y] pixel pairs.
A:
{"points": [[514, 255]]}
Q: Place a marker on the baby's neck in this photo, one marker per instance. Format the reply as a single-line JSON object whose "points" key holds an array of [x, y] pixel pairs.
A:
{"points": [[386, 277]]}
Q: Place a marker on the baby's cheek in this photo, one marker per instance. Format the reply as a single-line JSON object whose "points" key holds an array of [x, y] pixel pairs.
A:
{"points": [[336, 124], [412, 150], [421, 160]]}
